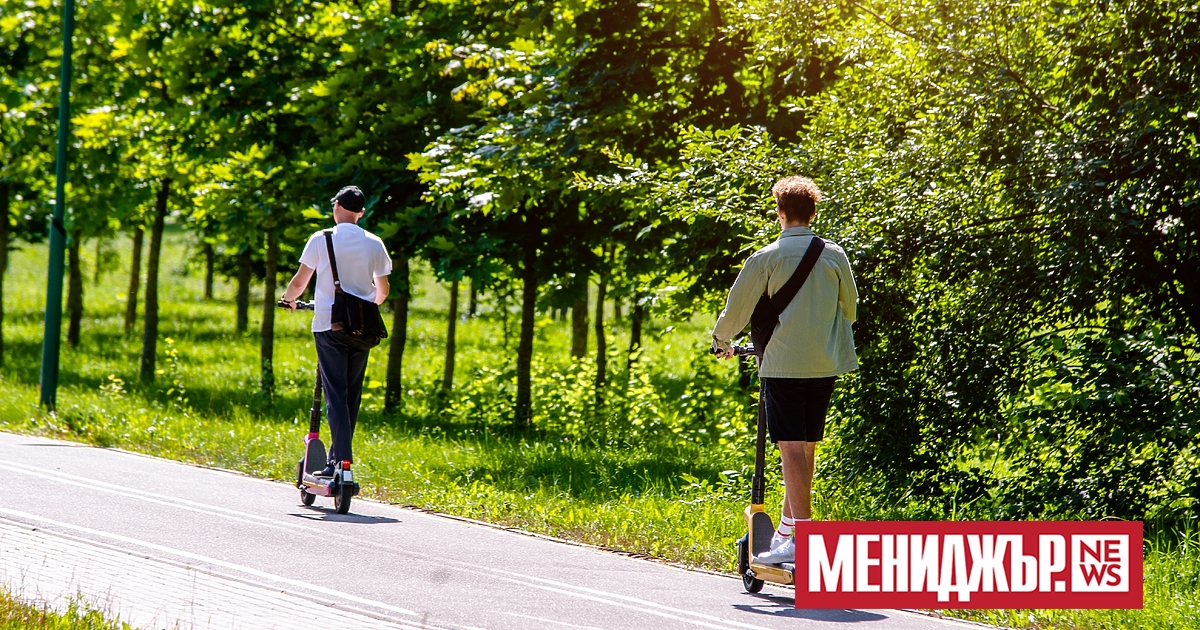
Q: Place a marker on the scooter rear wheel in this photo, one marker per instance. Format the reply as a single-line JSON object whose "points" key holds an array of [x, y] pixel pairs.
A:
{"points": [[341, 500]]}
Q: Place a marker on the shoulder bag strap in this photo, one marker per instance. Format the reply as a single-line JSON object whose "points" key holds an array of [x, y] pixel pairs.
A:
{"points": [[337, 284], [784, 295]]}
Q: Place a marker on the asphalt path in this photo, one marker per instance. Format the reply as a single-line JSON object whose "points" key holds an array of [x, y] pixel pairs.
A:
{"points": [[166, 545]]}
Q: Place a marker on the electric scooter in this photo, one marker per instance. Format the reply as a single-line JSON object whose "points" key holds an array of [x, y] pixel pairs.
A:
{"points": [[341, 486], [759, 527]]}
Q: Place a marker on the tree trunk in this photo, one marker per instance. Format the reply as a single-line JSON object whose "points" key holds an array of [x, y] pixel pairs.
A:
{"points": [[268, 316], [617, 310], [135, 276], [523, 413], [208, 271], [601, 345], [74, 290], [150, 325], [579, 322], [636, 313], [473, 305], [394, 396], [243, 291], [3, 258], [448, 373]]}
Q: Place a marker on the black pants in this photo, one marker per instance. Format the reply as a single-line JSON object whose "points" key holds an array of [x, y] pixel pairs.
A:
{"points": [[342, 370]]}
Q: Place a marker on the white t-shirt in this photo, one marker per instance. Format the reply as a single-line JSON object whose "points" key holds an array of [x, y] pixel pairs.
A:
{"points": [[361, 257]]}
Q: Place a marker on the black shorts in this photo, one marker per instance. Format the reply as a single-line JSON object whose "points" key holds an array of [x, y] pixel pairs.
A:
{"points": [[796, 407]]}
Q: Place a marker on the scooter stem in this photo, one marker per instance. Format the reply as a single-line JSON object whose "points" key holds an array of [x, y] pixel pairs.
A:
{"points": [[757, 485]]}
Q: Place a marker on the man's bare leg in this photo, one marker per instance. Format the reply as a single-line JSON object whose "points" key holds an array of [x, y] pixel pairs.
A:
{"points": [[799, 465], [798, 459]]}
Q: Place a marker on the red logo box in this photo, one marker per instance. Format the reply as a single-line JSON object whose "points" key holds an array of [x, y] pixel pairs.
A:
{"points": [[1001, 564]]}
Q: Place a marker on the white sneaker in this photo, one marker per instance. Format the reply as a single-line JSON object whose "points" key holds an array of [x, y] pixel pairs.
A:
{"points": [[778, 539], [785, 553]]}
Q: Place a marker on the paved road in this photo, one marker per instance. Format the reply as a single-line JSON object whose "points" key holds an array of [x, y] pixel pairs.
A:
{"points": [[166, 545]]}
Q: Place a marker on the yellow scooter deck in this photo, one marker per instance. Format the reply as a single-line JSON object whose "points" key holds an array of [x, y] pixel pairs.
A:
{"points": [[760, 529]]}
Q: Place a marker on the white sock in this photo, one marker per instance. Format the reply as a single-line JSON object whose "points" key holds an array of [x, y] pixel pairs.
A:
{"points": [[786, 526]]}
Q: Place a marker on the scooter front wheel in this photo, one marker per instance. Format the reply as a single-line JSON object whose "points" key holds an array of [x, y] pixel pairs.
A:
{"points": [[751, 584], [305, 497], [341, 500]]}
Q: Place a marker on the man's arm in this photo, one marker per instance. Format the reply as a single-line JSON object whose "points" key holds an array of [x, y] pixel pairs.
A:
{"points": [[296, 287], [847, 291], [381, 289], [381, 269], [739, 306]]}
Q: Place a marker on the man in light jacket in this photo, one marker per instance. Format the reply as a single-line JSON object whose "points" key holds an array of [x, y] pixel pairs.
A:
{"points": [[811, 346]]}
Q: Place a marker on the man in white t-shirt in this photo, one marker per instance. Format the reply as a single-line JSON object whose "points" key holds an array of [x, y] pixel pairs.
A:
{"points": [[363, 265]]}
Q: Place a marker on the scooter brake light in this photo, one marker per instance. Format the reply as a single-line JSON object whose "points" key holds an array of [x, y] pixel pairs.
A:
{"points": [[345, 464]]}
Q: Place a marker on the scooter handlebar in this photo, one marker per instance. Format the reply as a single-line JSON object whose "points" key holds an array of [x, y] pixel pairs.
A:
{"points": [[300, 306], [739, 351]]}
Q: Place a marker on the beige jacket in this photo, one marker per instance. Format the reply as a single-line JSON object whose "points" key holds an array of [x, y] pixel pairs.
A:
{"points": [[813, 338]]}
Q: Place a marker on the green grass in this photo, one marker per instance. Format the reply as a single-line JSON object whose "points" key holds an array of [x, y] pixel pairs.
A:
{"points": [[663, 472], [1172, 584], [18, 615]]}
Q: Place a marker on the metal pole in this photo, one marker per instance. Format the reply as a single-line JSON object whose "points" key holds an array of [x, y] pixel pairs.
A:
{"points": [[58, 236]]}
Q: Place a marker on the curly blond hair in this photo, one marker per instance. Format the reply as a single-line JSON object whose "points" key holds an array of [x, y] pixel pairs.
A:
{"points": [[797, 198]]}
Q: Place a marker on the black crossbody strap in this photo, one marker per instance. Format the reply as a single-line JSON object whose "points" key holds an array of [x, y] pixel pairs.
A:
{"points": [[784, 295], [337, 284]]}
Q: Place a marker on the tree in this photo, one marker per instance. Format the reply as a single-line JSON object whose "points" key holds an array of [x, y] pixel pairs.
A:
{"points": [[153, 109], [27, 92]]}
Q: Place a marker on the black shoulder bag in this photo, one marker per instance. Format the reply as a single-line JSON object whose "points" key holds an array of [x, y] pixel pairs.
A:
{"points": [[361, 324], [766, 313]]}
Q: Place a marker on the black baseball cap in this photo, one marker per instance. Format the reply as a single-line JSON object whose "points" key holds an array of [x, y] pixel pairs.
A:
{"points": [[351, 198]]}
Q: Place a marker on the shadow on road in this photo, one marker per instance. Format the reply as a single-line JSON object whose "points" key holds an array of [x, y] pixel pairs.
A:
{"points": [[779, 606], [327, 514]]}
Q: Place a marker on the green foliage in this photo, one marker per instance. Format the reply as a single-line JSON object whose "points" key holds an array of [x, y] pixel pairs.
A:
{"points": [[989, 194], [17, 615]]}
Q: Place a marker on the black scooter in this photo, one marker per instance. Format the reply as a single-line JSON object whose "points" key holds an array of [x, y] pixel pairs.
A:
{"points": [[341, 486], [759, 527]]}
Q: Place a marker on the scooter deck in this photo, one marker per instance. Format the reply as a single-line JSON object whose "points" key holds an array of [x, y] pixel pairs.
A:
{"points": [[314, 456], [775, 573], [321, 487], [761, 528]]}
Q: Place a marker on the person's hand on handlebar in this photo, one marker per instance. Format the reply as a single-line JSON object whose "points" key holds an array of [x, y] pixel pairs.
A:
{"points": [[722, 349], [296, 288]]}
